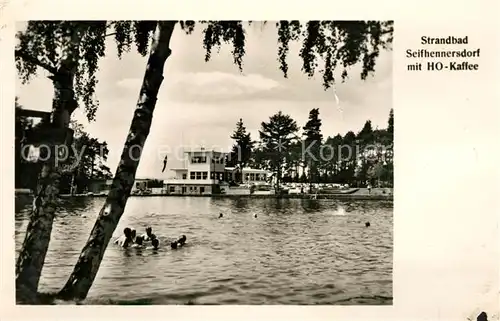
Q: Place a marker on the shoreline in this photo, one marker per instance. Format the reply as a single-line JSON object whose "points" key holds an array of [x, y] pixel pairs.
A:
{"points": [[375, 196], [298, 196]]}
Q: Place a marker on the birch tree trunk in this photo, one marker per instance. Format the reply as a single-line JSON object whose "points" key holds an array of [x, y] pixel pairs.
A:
{"points": [[36, 242], [85, 270]]}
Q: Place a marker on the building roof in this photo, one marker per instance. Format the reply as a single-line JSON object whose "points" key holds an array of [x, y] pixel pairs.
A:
{"points": [[202, 150], [248, 169]]}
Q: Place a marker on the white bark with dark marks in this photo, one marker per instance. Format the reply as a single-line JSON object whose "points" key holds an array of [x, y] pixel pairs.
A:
{"points": [[87, 266], [36, 242]]}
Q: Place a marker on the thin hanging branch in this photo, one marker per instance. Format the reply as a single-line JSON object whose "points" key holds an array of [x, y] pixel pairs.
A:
{"points": [[21, 54]]}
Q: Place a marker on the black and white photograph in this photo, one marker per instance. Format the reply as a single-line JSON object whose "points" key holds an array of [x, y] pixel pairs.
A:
{"points": [[204, 162]]}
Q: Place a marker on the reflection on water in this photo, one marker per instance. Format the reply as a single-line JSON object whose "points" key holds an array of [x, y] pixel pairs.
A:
{"points": [[294, 252]]}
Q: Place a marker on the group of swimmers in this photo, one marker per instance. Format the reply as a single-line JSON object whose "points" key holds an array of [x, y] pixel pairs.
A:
{"points": [[131, 239]]}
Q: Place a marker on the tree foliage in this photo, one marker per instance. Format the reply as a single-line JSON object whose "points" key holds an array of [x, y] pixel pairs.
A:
{"points": [[47, 44], [89, 156], [277, 136], [312, 141], [241, 152], [354, 159], [326, 45]]}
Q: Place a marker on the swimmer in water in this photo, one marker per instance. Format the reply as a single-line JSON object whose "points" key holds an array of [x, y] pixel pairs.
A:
{"points": [[255, 215], [182, 240], [133, 232], [220, 215], [367, 224], [138, 242], [149, 236], [155, 244], [126, 239], [178, 243]]}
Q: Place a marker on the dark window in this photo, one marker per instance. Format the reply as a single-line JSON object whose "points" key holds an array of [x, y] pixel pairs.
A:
{"points": [[198, 159], [184, 176], [202, 189]]}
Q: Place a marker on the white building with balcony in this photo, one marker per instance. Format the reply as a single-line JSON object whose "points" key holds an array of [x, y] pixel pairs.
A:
{"points": [[202, 174], [247, 175], [205, 173]]}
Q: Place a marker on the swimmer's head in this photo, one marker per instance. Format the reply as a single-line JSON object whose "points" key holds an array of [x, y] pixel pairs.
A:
{"points": [[482, 316], [220, 215], [127, 232], [173, 245], [149, 230], [138, 240], [133, 233], [367, 224], [182, 240], [155, 243]]}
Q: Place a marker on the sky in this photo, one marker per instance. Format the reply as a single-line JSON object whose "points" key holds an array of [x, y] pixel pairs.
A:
{"points": [[200, 102]]}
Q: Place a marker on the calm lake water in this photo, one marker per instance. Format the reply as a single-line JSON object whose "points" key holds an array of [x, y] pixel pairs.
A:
{"points": [[294, 252]]}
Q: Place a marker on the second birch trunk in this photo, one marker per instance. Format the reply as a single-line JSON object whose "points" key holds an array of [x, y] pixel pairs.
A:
{"points": [[87, 266]]}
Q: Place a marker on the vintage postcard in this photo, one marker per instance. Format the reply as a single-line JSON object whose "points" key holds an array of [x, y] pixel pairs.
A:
{"points": [[339, 166]]}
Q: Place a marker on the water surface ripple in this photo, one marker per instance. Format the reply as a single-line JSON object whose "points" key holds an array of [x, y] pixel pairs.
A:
{"points": [[294, 252]]}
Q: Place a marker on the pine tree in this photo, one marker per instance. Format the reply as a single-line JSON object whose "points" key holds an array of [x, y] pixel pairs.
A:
{"points": [[277, 136], [313, 140], [241, 153]]}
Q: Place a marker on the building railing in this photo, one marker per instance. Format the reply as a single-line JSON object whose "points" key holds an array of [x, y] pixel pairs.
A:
{"points": [[181, 181]]}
